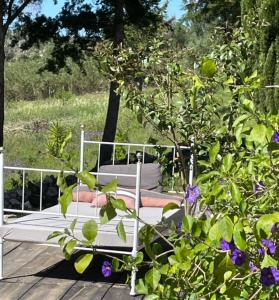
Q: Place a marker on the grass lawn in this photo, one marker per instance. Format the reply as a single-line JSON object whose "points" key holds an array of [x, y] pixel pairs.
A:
{"points": [[27, 123]]}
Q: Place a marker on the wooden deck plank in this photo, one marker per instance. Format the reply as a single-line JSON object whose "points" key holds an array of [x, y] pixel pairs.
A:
{"points": [[36, 271], [20, 256], [94, 291], [45, 291], [10, 246], [120, 292], [12, 291], [30, 272]]}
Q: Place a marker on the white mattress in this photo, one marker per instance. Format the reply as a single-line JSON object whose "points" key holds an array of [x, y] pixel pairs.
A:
{"points": [[36, 227]]}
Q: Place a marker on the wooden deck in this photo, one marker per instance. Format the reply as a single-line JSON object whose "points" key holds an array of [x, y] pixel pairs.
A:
{"points": [[38, 272]]}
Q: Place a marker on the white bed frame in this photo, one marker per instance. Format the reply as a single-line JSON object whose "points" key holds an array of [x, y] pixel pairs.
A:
{"points": [[83, 143]]}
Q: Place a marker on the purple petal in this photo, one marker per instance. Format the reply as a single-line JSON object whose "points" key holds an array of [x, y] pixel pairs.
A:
{"points": [[269, 276], [269, 246], [107, 269], [238, 257], [193, 193], [252, 267], [225, 246], [276, 137]]}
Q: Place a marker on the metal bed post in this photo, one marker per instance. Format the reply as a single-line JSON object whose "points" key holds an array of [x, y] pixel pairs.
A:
{"points": [[1, 207], [136, 224], [191, 165], [81, 148]]}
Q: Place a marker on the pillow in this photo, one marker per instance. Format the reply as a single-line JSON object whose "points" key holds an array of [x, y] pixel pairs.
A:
{"points": [[82, 194], [151, 176], [99, 199], [148, 198], [155, 199]]}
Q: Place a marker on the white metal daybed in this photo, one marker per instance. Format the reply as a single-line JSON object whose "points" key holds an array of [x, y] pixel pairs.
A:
{"points": [[35, 226]]}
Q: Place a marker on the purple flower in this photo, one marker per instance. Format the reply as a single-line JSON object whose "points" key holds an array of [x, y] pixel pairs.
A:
{"points": [[226, 246], [276, 137], [107, 268], [269, 276], [274, 228], [268, 247], [252, 267], [193, 193], [261, 251], [238, 257], [179, 227], [259, 188]]}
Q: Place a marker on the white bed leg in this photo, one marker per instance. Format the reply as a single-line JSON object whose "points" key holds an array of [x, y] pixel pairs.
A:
{"points": [[133, 283], [136, 224], [1, 258]]}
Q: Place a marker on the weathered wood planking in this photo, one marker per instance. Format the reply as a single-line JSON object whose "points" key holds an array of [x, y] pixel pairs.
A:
{"points": [[35, 272]]}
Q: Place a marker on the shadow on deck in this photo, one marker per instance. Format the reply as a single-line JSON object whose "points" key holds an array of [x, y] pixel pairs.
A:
{"points": [[37, 272]]}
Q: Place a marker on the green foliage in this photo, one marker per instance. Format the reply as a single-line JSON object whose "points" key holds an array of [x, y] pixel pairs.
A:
{"points": [[24, 81], [226, 241], [83, 262]]}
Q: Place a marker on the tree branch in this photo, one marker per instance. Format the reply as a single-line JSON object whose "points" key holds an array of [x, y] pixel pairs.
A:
{"points": [[10, 7], [13, 15]]}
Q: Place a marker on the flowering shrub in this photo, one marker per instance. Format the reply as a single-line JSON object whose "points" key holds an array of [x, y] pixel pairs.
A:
{"points": [[227, 244]]}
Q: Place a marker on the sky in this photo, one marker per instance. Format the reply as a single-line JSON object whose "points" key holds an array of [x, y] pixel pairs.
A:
{"points": [[174, 8]]}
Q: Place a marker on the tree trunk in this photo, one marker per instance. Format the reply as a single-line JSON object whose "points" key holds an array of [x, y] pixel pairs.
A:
{"points": [[2, 60], [114, 99]]}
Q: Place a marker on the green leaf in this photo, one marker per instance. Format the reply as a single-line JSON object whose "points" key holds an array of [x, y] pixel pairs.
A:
{"points": [[73, 224], [111, 187], [227, 275], [61, 182], [62, 240], [223, 264], [205, 177], [240, 119], [258, 134], [119, 204], [139, 258], [248, 105], [200, 248], [54, 234], [115, 265], [121, 231], [208, 67], [152, 278], [204, 163], [223, 288], [69, 248], [226, 228], [107, 213], [227, 162], [141, 288], [90, 230], [146, 235], [170, 206], [236, 195], [187, 223], [239, 236], [83, 262], [87, 178], [164, 269], [213, 152], [151, 297], [265, 223], [66, 141], [66, 199], [214, 233], [268, 261]]}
